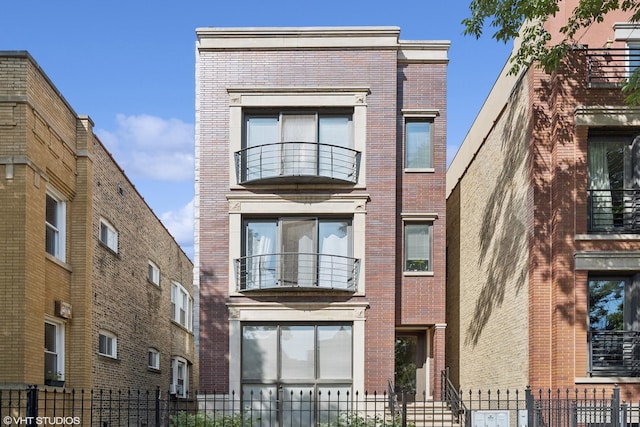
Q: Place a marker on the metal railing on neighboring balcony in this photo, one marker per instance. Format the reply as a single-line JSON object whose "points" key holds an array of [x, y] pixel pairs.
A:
{"points": [[614, 211], [308, 271], [614, 353], [611, 67], [292, 161]]}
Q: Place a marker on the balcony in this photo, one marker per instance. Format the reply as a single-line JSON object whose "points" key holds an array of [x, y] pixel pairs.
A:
{"points": [[611, 67], [614, 353], [295, 162], [614, 211], [297, 271]]}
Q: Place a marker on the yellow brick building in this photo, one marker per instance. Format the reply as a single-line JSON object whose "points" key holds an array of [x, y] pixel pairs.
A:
{"points": [[96, 292]]}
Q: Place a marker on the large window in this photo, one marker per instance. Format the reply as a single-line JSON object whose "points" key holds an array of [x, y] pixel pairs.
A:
{"points": [[181, 306], [298, 360], [417, 247], [55, 225], [614, 325], [300, 143], [613, 181], [418, 147], [53, 352], [302, 252]]}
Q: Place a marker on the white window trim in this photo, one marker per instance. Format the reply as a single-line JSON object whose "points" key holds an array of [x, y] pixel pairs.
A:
{"points": [[155, 273], [353, 206], [312, 312], [61, 228], [177, 290], [112, 235], [287, 98], [156, 356], [175, 389], [114, 344], [422, 218], [60, 338]]}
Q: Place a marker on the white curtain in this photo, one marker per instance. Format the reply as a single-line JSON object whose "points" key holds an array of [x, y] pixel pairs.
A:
{"points": [[599, 183], [261, 270], [334, 271], [333, 161], [299, 159]]}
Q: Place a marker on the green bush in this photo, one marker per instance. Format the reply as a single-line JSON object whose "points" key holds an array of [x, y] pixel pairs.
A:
{"points": [[351, 419], [203, 419]]}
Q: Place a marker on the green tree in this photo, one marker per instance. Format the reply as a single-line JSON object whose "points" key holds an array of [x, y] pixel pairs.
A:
{"points": [[526, 18]]}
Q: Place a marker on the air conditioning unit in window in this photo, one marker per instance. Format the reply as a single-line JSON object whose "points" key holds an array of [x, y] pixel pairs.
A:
{"points": [[175, 389]]}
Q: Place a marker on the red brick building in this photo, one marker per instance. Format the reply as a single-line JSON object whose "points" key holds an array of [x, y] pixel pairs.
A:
{"points": [[320, 224], [543, 247]]}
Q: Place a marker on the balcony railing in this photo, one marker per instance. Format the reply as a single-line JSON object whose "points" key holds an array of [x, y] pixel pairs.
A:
{"points": [[611, 67], [614, 211], [614, 353], [293, 161], [293, 271]]}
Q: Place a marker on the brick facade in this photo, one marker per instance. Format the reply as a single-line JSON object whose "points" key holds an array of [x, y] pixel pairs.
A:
{"points": [[45, 147], [328, 66], [520, 294]]}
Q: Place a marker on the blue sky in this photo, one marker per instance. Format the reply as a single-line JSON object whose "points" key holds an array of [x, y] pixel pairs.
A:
{"points": [[129, 65]]}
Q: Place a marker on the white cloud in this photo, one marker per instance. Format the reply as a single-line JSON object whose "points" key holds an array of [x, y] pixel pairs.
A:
{"points": [[180, 225], [152, 147]]}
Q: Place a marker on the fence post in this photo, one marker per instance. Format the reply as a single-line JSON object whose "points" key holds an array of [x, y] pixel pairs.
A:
{"points": [[158, 406], [615, 406], [623, 417], [404, 407], [529, 404], [32, 404]]}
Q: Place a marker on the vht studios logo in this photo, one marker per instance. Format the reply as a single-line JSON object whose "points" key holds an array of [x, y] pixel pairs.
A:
{"points": [[40, 421]]}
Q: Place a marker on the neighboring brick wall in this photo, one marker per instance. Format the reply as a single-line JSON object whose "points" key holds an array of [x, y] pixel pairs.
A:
{"points": [[124, 301], [47, 144], [492, 249]]}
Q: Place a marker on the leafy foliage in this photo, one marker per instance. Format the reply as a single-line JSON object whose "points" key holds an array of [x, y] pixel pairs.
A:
{"points": [[203, 419], [526, 18], [351, 419]]}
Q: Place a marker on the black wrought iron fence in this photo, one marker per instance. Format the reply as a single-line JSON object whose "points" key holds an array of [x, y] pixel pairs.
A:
{"points": [[518, 408]]}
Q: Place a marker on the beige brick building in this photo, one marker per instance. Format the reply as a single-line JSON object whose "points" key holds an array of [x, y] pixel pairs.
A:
{"points": [[320, 225], [542, 231], [97, 293]]}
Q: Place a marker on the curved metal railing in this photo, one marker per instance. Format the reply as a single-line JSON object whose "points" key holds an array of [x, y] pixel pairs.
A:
{"points": [[297, 270], [290, 160]]}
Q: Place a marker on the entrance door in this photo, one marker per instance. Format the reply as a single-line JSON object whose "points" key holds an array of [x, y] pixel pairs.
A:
{"points": [[411, 364]]}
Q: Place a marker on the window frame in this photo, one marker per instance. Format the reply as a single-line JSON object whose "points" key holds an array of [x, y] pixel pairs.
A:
{"points": [[181, 300], [180, 390], [110, 239], [153, 358], [280, 230], [413, 116], [427, 220], [153, 273], [428, 166], [112, 340], [281, 98], [59, 352], [58, 230]]}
